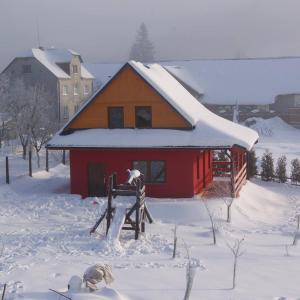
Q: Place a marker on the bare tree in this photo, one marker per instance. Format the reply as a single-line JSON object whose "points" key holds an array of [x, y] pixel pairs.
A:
{"points": [[142, 50], [29, 110], [228, 202], [236, 250], [212, 222]]}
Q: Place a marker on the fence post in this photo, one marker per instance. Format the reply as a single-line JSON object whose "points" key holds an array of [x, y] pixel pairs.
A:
{"points": [[47, 160], [64, 157], [30, 162], [7, 169]]}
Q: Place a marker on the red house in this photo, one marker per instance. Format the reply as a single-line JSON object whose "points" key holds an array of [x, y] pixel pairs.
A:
{"points": [[144, 118]]}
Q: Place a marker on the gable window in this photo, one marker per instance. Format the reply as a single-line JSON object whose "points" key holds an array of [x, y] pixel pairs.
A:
{"points": [[75, 69], [86, 89], [115, 117], [65, 90], [143, 117], [76, 90], [153, 170], [26, 69], [66, 112]]}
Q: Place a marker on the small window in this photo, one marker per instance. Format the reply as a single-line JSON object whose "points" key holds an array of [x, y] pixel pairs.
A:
{"points": [[86, 89], [26, 69], [65, 90], [115, 117], [154, 170], [76, 90], [76, 108], [143, 117], [75, 69], [66, 112]]}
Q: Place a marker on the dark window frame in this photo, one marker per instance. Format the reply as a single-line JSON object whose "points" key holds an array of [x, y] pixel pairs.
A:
{"points": [[148, 175], [136, 119], [109, 109], [26, 68]]}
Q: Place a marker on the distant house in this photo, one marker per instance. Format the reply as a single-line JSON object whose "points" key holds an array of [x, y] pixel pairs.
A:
{"points": [[143, 118], [288, 108], [59, 71]]}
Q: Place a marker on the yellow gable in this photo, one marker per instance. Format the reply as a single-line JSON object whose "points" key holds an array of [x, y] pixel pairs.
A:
{"points": [[128, 90]]}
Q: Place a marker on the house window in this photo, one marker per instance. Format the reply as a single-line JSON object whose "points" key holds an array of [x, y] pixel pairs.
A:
{"points": [[26, 69], [115, 117], [65, 90], [75, 69], [76, 90], [86, 89], [76, 108], [66, 112], [143, 117], [297, 101], [153, 170]]}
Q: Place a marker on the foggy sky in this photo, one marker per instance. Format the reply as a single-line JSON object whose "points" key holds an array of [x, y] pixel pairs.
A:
{"points": [[103, 31]]}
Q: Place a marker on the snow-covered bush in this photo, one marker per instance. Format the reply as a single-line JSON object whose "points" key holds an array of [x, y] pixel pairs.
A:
{"points": [[281, 169], [267, 166], [295, 170]]}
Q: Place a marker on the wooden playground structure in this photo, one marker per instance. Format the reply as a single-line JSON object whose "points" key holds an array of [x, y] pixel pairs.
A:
{"points": [[136, 215]]}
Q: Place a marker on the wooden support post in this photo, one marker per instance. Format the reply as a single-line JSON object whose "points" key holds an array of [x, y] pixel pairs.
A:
{"points": [[7, 170], [47, 160], [63, 161], [109, 203], [30, 162], [137, 209]]}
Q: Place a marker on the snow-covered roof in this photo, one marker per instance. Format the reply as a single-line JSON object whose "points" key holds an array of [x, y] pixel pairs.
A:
{"points": [[209, 130], [51, 57], [228, 81]]}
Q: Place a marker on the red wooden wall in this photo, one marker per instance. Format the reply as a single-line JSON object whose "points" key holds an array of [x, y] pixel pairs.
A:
{"points": [[182, 177]]}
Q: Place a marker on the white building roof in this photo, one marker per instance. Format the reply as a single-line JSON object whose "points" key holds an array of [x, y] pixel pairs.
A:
{"points": [[228, 81], [209, 130], [51, 57]]}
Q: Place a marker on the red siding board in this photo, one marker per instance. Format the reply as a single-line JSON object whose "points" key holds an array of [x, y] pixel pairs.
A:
{"points": [[181, 169]]}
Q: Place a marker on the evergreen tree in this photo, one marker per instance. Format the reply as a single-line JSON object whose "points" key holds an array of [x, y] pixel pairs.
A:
{"points": [[295, 171], [281, 169], [142, 50], [267, 166], [252, 167]]}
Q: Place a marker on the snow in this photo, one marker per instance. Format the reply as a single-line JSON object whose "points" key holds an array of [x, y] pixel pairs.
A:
{"points": [[210, 129], [52, 56]]}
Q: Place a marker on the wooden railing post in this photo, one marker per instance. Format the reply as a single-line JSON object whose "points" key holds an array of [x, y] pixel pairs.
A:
{"points": [[30, 162], [47, 160], [7, 169]]}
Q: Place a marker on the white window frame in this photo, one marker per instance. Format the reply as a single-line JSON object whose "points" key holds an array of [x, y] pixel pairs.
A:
{"points": [[66, 112], [76, 89], [65, 90], [86, 89], [75, 69]]}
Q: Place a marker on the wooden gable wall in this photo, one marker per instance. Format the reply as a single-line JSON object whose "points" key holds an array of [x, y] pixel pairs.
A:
{"points": [[128, 90]]}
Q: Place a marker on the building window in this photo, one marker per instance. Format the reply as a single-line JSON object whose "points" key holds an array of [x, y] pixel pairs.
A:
{"points": [[86, 89], [26, 69], [75, 69], [115, 117], [76, 108], [297, 101], [65, 90], [76, 90], [153, 170], [66, 112], [143, 117]]}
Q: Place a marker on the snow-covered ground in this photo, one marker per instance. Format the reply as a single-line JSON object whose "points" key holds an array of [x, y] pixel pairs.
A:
{"points": [[44, 234]]}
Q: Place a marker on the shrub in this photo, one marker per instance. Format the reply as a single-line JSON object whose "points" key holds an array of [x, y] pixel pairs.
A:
{"points": [[267, 166], [295, 170], [281, 169]]}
